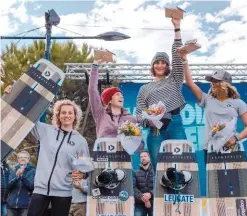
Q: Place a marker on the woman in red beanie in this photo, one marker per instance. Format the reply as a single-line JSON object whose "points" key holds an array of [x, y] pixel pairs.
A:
{"points": [[107, 109], [109, 115]]}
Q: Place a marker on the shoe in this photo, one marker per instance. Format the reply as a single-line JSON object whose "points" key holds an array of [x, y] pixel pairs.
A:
{"points": [[110, 178], [176, 180]]}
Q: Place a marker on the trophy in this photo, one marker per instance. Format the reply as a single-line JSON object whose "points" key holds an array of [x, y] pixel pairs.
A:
{"points": [[176, 13], [190, 46], [103, 54]]}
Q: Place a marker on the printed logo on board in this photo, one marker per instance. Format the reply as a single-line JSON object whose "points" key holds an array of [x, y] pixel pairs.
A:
{"points": [[177, 151], [96, 192], [180, 198], [47, 73], [123, 195], [111, 148], [241, 207]]}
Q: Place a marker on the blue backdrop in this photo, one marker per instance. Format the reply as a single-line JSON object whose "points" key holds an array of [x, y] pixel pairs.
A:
{"points": [[192, 114]]}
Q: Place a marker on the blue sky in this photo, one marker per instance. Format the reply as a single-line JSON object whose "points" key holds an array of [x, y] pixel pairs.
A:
{"points": [[219, 26]]}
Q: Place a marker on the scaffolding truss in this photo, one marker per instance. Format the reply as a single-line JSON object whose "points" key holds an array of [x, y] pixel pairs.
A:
{"points": [[141, 72]]}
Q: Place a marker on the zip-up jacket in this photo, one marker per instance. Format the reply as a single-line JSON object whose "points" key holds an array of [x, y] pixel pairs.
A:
{"points": [[4, 181], [58, 150], [20, 188], [143, 183]]}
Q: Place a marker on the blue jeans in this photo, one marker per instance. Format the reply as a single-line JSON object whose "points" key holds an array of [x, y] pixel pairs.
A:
{"points": [[143, 211], [175, 130], [3, 209]]}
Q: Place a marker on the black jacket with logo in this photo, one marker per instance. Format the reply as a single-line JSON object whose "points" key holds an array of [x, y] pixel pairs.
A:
{"points": [[143, 183]]}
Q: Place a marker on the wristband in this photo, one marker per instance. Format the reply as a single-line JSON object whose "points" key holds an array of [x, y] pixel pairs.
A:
{"points": [[177, 29], [184, 62], [95, 65], [236, 138]]}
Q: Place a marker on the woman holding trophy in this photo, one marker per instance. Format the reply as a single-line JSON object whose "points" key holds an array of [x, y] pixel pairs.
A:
{"points": [[110, 118], [165, 92], [223, 107]]}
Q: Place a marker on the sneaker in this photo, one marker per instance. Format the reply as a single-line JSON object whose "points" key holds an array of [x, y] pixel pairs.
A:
{"points": [[176, 180], [110, 178]]}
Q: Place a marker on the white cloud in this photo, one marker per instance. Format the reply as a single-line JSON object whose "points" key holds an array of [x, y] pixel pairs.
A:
{"points": [[37, 7], [232, 35], [213, 19], [7, 26], [20, 13], [143, 43], [237, 7], [221, 41], [184, 5], [17, 9]]}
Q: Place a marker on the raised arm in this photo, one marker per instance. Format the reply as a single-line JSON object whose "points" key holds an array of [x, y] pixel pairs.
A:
{"points": [[188, 78], [177, 65], [93, 93]]}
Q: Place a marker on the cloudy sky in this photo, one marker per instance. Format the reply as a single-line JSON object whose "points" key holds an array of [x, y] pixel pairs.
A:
{"points": [[219, 26]]}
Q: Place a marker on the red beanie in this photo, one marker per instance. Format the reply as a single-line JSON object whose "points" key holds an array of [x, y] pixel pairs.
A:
{"points": [[108, 93]]}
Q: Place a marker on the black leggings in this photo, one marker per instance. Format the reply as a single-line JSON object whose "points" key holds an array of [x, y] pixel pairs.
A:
{"points": [[60, 206]]}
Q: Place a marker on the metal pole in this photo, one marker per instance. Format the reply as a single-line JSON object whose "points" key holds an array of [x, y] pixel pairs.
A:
{"points": [[55, 37], [48, 27], [47, 55]]}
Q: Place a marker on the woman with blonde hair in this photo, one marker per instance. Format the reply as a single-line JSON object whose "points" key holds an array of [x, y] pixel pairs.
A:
{"points": [[222, 103], [61, 146]]}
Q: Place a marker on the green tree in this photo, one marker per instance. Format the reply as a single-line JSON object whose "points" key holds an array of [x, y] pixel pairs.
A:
{"points": [[18, 60]]}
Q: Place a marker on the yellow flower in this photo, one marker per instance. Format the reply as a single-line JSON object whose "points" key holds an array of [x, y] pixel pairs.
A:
{"points": [[137, 132]]}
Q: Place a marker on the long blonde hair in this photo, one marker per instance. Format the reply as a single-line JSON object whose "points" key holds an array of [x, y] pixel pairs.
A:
{"points": [[56, 112], [231, 90]]}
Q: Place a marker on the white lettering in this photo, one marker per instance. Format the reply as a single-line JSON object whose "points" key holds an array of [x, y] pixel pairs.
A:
{"points": [[242, 207], [188, 114]]}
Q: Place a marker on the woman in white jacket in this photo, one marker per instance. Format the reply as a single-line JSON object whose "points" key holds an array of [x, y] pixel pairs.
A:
{"points": [[62, 149]]}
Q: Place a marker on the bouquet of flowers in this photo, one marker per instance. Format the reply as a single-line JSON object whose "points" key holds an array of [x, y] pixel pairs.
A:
{"points": [[130, 129], [221, 133], [154, 113], [130, 136], [217, 127]]}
